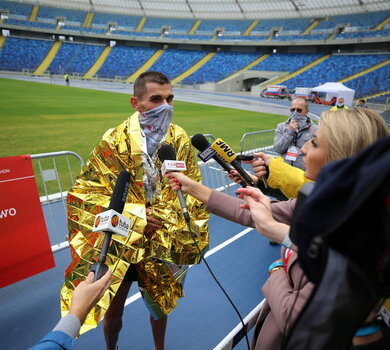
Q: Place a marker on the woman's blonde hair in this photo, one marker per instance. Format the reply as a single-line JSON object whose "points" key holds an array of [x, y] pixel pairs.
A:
{"points": [[348, 131]]}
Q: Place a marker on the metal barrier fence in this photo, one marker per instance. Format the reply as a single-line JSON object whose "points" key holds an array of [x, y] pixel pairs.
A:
{"points": [[57, 172], [257, 141]]}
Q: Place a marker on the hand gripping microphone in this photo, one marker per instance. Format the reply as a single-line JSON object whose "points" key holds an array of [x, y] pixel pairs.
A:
{"points": [[117, 203], [201, 144], [227, 154], [167, 155]]}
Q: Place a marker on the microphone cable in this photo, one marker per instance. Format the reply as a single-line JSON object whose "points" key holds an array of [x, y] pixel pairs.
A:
{"points": [[218, 283]]}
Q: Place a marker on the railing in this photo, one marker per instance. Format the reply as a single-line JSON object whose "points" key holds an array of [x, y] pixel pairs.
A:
{"points": [[55, 173], [258, 141]]}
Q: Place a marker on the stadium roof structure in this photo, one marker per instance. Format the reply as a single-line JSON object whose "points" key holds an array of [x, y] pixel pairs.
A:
{"points": [[224, 9]]}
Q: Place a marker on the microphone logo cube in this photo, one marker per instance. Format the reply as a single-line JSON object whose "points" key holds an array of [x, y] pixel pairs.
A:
{"points": [[223, 150], [207, 154], [112, 221], [173, 165]]}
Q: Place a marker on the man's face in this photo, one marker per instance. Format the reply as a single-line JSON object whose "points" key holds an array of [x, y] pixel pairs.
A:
{"points": [[299, 106], [155, 95], [340, 101]]}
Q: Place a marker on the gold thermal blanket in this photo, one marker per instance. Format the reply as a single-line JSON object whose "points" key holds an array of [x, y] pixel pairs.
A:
{"points": [[155, 255]]}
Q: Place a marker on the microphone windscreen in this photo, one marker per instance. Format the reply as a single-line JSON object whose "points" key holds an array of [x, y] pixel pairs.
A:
{"points": [[199, 142], [167, 152], [121, 189]]}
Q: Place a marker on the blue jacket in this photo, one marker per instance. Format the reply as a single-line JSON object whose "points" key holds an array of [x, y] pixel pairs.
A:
{"points": [[55, 340]]}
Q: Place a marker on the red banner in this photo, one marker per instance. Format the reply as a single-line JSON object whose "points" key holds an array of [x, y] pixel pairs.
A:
{"points": [[24, 241]]}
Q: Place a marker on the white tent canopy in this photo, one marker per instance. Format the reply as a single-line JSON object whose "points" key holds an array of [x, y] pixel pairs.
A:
{"points": [[336, 90]]}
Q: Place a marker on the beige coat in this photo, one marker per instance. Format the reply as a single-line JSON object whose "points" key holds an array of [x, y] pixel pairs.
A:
{"points": [[282, 290]]}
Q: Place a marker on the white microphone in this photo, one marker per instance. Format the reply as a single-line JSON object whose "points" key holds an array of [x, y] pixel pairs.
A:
{"points": [[167, 155]]}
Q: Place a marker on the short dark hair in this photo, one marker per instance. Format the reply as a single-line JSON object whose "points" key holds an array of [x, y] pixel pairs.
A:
{"points": [[362, 100], [148, 77]]}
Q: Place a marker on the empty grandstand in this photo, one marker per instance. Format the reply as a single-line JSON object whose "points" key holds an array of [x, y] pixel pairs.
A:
{"points": [[303, 43]]}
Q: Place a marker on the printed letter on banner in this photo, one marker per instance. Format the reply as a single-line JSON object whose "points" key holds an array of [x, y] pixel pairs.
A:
{"points": [[25, 243]]}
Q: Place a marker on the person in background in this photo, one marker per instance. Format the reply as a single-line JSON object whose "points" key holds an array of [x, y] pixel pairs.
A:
{"points": [[339, 105], [362, 103], [292, 134], [159, 247], [66, 77], [85, 296]]}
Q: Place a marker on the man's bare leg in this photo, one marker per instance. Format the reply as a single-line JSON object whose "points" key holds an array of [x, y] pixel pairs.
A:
{"points": [[158, 329], [112, 322]]}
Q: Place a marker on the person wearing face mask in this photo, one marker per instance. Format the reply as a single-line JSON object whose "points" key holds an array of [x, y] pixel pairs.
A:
{"points": [[339, 105], [159, 247], [287, 288], [291, 135]]}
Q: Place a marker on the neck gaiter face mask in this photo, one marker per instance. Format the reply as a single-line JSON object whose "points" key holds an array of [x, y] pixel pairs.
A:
{"points": [[155, 124]]}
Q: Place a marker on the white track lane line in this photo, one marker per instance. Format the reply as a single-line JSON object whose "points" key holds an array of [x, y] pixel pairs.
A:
{"points": [[136, 296]]}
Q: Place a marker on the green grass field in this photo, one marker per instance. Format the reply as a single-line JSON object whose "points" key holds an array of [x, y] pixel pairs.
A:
{"points": [[41, 118]]}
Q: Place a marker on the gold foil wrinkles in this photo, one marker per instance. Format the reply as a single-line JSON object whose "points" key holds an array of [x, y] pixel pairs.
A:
{"points": [[153, 254]]}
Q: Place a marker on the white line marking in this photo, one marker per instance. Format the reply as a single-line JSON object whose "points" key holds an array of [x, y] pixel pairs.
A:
{"points": [[18, 178], [136, 296]]}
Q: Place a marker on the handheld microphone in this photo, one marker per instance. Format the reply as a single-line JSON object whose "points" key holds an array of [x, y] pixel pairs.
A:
{"points": [[201, 144], [117, 203], [228, 155], [167, 154]]}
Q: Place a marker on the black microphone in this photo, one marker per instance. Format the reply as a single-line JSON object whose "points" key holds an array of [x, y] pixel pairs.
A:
{"points": [[167, 152], [228, 155], [201, 143], [117, 203]]}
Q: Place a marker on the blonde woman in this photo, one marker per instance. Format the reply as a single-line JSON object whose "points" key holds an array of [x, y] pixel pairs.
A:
{"points": [[340, 135]]}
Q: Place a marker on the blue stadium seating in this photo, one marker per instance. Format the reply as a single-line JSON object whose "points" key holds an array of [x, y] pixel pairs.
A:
{"points": [[128, 22], [143, 34], [335, 68], [173, 62], [370, 83], [188, 36], [19, 53], [231, 26], [300, 37], [293, 24], [242, 37], [26, 23], [220, 66], [75, 16], [361, 20], [75, 58], [363, 34], [380, 99], [178, 25], [20, 9], [124, 60], [286, 62]]}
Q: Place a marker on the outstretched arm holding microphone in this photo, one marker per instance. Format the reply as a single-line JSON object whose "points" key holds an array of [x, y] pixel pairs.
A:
{"points": [[84, 298], [235, 209]]}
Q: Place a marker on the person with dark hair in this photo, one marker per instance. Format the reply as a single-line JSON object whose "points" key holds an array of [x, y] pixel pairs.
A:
{"points": [[160, 246], [362, 103], [66, 77]]}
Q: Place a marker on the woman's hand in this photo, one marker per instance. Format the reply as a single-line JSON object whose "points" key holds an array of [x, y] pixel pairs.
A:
{"points": [[195, 189], [235, 176], [179, 181], [260, 208], [87, 294], [260, 164]]}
